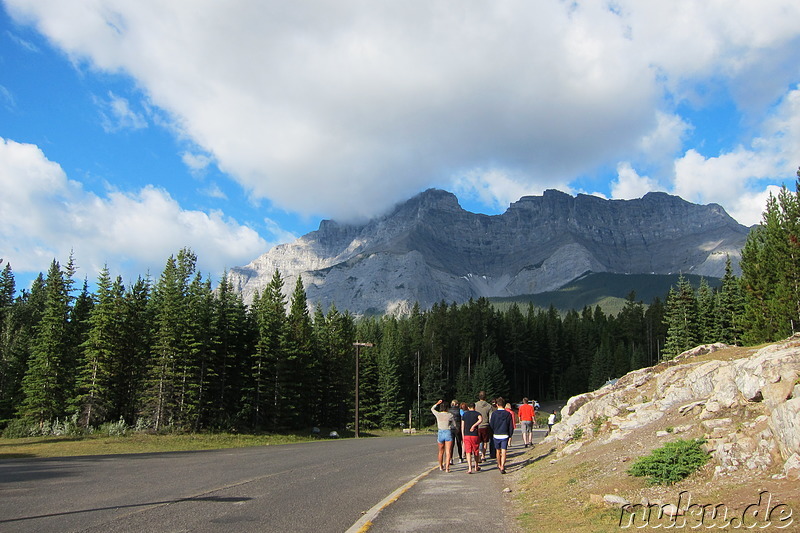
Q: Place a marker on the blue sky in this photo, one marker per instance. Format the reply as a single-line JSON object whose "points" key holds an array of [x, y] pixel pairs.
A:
{"points": [[129, 130]]}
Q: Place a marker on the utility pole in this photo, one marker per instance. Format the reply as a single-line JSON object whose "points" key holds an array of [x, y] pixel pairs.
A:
{"points": [[419, 389], [358, 345]]}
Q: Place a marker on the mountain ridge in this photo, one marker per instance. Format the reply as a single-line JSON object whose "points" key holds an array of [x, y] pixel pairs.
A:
{"points": [[430, 249]]}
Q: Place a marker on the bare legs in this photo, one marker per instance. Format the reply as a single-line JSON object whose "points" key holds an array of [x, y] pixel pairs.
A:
{"points": [[445, 454], [501, 460]]}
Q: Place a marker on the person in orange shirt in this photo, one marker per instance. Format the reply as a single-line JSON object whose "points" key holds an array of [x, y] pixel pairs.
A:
{"points": [[526, 416]]}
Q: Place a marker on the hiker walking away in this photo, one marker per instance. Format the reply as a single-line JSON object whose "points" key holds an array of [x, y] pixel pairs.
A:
{"points": [[551, 420], [470, 421], [526, 422], [455, 410], [484, 432], [502, 424], [513, 419], [444, 423]]}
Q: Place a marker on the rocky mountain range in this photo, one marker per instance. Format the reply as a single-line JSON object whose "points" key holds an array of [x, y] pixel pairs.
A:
{"points": [[429, 249]]}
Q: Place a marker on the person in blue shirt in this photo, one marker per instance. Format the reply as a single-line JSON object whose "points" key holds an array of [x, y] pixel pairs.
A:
{"points": [[502, 424]]}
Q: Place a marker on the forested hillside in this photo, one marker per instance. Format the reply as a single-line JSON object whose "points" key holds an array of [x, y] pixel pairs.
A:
{"points": [[173, 353]]}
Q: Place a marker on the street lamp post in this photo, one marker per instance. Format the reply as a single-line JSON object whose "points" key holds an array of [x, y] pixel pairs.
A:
{"points": [[358, 345]]}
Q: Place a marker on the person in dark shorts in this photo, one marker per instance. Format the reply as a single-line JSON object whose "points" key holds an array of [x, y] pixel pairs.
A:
{"points": [[484, 431], [502, 424], [470, 421], [455, 410]]}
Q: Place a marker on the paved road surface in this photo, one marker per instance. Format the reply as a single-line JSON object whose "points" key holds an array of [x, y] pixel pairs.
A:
{"points": [[457, 501], [322, 486]]}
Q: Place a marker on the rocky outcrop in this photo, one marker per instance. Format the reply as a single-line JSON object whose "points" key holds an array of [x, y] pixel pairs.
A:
{"points": [[748, 409], [429, 249]]}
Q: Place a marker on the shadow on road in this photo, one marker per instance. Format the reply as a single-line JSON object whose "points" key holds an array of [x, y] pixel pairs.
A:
{"points": [[215, 499]]}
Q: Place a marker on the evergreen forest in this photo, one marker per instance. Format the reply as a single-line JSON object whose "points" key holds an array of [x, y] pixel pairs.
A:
{"points": [[177, 354]]}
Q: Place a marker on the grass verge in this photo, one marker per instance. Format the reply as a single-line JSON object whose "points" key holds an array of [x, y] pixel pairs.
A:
{"points": [[148, 443]]}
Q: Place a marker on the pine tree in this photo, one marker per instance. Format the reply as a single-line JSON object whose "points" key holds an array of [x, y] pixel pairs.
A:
{"points": [[7, 288], [93, 401], [233, 339], [7, 374], [771, 270], [335, 334], [655, 331], [390, 408], [265, 393], [45, 382], [298, 368], [18, 331], [368, 331], [730, 308], [681, 319], [602, 364], [706, 314], [490, 376], [168, 351], [195, 368], [131, 365]]}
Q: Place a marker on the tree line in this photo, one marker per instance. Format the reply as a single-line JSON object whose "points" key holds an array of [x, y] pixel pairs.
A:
{"points": [[176, 354]]}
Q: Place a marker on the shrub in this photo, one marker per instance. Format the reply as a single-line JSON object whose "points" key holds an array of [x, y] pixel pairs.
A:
{"points": [[597, 423], [672, 462], [114, 429], [19, 429], [577, 433]]}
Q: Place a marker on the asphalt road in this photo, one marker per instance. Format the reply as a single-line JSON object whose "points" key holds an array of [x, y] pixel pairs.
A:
{"points": [[320, 486]]}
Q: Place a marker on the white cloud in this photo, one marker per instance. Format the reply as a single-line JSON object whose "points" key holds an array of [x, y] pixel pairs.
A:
{"points": [[117, 115], [665, 140], [497, 188], [629, 184], [343, 108], [739, 179], [45, 215], [27, 45], [197, 163], [7, 99], [279, 234], [213, 191]]}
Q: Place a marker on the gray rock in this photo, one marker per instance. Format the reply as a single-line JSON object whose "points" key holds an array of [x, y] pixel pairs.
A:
{"points": [[613, 499], [791, 468]]}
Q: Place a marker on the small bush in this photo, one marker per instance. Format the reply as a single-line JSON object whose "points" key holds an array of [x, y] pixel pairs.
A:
{"points": [[19, 429], [577, 433], [114, 429], [671, 463], [597, 423]]}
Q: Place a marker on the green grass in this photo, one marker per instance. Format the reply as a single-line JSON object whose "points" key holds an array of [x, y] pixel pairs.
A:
{"points": [[65, 446]]}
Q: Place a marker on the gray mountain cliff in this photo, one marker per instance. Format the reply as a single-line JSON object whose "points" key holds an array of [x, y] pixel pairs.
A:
{"points": [[429, 249]]}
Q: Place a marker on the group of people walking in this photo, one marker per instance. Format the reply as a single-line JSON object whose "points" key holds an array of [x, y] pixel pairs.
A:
{"points": [[479, 430]]}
